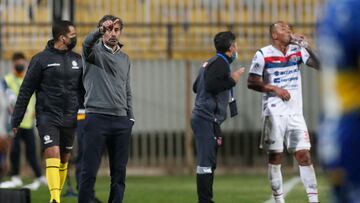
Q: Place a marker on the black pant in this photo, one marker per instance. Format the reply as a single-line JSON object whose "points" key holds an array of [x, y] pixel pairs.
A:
{"points": [[113, 132], [79, 138], [27, 135], [206, 151]]}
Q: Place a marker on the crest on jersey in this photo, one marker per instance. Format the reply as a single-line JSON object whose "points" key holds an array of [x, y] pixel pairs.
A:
{"points": [[74, 65], [294, 58]]}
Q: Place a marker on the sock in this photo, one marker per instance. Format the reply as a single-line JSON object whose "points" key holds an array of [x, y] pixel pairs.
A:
{"points": [[275, 178], [307, 175], [53, 178], [204, 187], [63, 174]]}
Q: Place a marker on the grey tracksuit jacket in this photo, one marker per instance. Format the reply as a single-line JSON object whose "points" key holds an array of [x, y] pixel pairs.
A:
{"points": [[212, 87], [106, 77]]}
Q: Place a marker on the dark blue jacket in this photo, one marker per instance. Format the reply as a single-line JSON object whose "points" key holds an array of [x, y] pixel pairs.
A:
{"points": [[212, 88]]}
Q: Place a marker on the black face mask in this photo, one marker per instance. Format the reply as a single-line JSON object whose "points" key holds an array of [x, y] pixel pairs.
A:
{"points": [[19, 68], [72, 43]]}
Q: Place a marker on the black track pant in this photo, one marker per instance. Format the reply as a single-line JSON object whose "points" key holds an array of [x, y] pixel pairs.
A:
{"points": [[206, 150], [27, 135]]}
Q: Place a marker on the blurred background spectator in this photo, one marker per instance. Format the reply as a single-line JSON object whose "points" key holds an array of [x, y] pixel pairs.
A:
{"points": [[12, 82]]}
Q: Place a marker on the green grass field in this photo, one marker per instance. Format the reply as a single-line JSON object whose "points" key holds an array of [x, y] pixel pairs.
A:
{"points": [[182, 189]]}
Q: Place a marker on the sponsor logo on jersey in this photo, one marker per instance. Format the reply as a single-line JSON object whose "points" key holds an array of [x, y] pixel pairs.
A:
{"points": [[269, 142], [53, 64], [279, 80], [277, 73]]}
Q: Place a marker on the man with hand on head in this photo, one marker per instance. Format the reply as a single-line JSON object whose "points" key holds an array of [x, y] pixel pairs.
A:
{"points": [[108, 107], [55, 75]]}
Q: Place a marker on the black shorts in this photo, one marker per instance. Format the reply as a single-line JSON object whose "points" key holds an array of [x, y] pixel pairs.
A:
{"points": [[51, 135]]}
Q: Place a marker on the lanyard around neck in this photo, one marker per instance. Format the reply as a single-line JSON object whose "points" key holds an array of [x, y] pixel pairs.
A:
{"points": [[227, 61]]}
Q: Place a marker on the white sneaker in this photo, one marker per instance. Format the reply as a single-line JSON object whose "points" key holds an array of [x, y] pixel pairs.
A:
{"points": [[14, 182], [43, 180], [33, 186], [36, 183]]}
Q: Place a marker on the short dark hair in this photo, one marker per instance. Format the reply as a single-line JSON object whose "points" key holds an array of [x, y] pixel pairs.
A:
{"points": [[61, 27], [17, 56], [223, 41], [272, 27], [112, 18]]}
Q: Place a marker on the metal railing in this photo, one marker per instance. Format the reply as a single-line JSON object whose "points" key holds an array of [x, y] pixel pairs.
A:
{"points": [[150, 41]]}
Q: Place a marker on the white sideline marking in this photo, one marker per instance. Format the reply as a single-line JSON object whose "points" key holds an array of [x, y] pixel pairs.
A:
{"points": [[288, 186]]}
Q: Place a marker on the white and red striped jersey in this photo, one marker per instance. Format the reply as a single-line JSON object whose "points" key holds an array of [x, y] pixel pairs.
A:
{"points": [[283, 71]]}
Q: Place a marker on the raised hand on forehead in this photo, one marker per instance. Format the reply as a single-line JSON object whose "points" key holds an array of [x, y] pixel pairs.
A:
{"points": [[109, 24]]}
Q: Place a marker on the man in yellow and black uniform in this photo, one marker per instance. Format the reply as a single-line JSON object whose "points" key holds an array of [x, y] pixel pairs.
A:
{"points": [[55, 74], [25, 132]]}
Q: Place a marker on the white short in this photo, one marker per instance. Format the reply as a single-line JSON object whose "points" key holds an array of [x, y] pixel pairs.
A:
{"points": [[288, 130]]}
